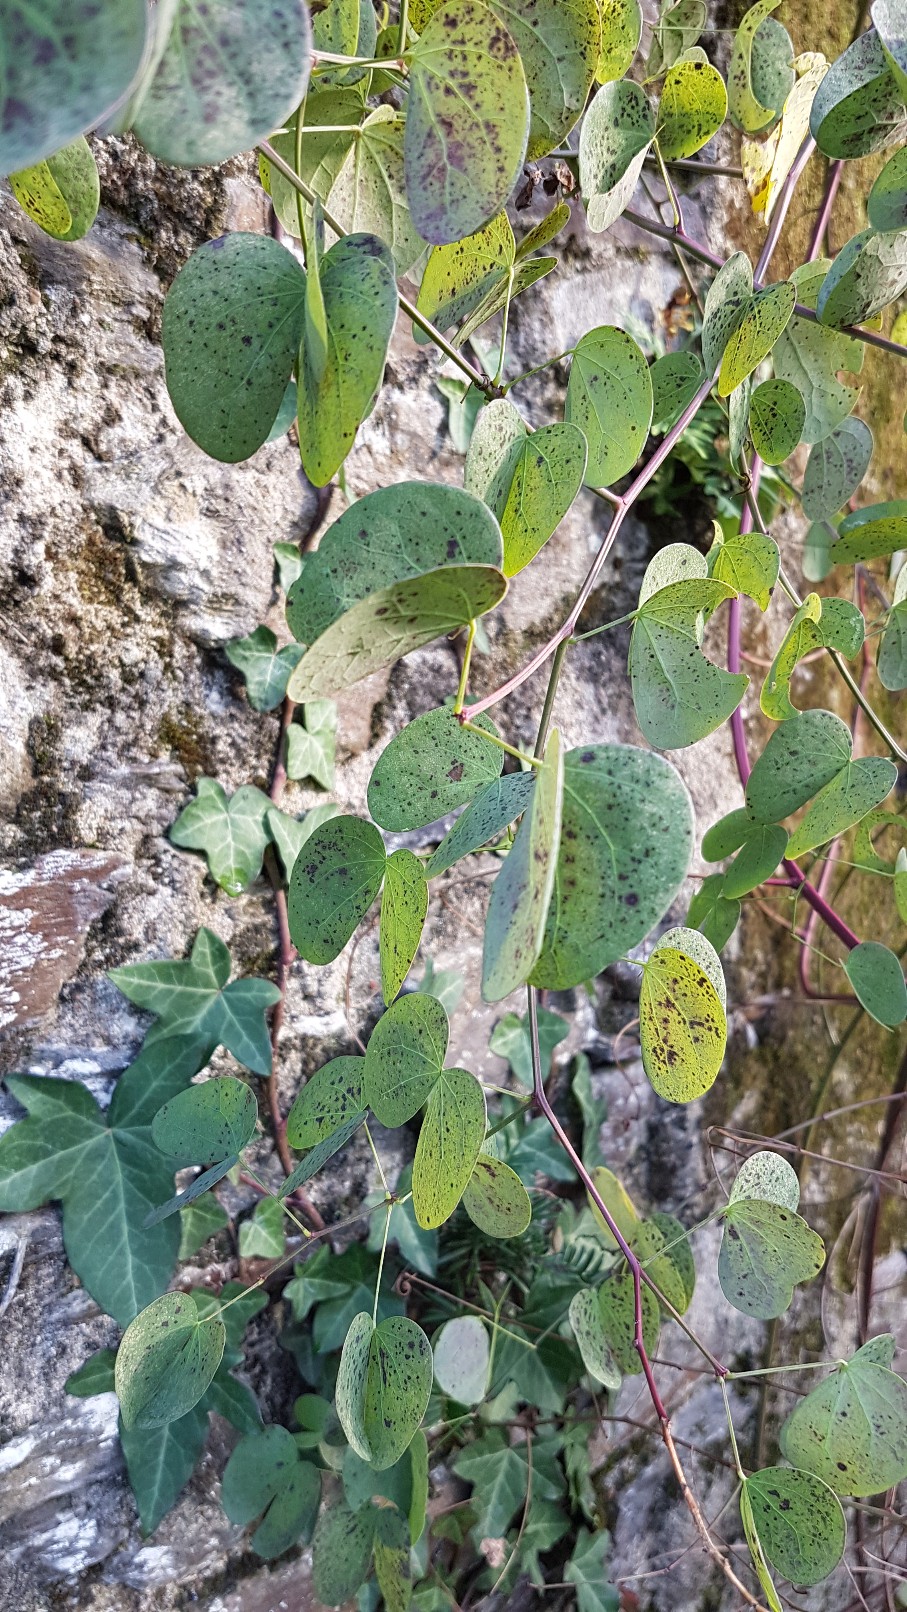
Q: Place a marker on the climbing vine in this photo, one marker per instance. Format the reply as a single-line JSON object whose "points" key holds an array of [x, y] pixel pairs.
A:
{"points": [[390, 147]]}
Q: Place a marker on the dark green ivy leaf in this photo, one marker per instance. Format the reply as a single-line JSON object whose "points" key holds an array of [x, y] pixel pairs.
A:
{"points": [[264, 666]]}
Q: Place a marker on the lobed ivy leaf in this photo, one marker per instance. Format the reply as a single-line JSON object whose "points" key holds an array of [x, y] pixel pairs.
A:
{"points": [[609, 397], [749, 563], [886, 204], [589, 1332], [859, 106], [336, 387], [683, 1029], [207, 1123], [450, 1140], [801, 757], [766, 1250], [692, 108], [404, 1057], [712, 912], [521, 893], [264, 667], [232, 833], [496, 1200], [266, 1478], [290, 834], [679, 695], [891, 661], [617, 131], [676, 378], [431, 767], [621, 23], [383, 1387], [462, 1356], [528, 479], [391, 623], [855, 790], [232, 324], [850, 1430], [332, 886], [404, 904], [877, 977], [63, 193], [467, 121], [764, 318], [193, 998], [777, 420], [167, 1359], [746, 110], [817, 624], [199, 1223], [499, 804], [311, 749], [799, 1522], [262, 1234], [559, 44]]}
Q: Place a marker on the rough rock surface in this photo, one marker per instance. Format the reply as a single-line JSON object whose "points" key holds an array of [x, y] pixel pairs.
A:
{"points": [[128, 561]]}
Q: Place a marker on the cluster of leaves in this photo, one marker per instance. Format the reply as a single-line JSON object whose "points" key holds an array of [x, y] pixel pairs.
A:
{"points": [[393, 156]]}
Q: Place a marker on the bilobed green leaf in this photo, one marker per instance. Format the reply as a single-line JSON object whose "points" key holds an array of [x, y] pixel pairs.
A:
{"points": [[609, 396], [754, 336], [868, 274], [358, 284], [746, 110], [232, 323], [683, 1029], [850, 1431], [712, 913], [496, 1200], [871, 532], [756, 860], [66, 66], [679, 695], [207, 1123], [341, 1552], [462, 1355], [232, 832], [810, 356], [676, 378], [801, 757], [520, 895], [777, 420], [727, 835], [799, 1522], [452, 1133], [617, 131], [497, 805], [397, 1388], [727, 300], [332, 886], [559, 43], [589, 1332], [329, 1097], [260, 1469], [692, 108], [769, 1177], [886, 204], [528, 479], [853, 792], [369, 192], [404, 903], [766, 1250], [467, 121], [166, 1360], [859, 106], [391, 623], [331, 119], [431, 767], [459, 275], [621, 29], [817, 624], [61, 194], [891, 661], [618, 1316], [876, 975], [675, 35], [626, 841], [264, 667], [749, 563], [404, 1057], [94, 1377]]}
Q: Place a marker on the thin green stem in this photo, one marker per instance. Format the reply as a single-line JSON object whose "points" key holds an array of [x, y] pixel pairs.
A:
{"points": [[287, 1259], [300, 199], [504, 327], [404, 20], [537, 370], [550, 693], [620, 621], [774, 1371], [683, 1237], [509, 749], [730, 1427], [387, 1227], [666, 181], [460, 700], [524, 1103], [330, 58]]}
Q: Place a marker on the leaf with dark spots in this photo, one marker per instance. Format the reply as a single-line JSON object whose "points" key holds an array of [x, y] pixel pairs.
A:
{"points": [[430, 768], [332, 886]]}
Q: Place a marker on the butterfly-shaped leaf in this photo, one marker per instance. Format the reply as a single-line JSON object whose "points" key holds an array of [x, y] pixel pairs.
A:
{"points": [[854, 791], [801, 757], [333, 884], [810, 356], [747, 111], [749, 563], [850, 1431], [676, 378], [63, 193], [617, 131], [528, 479], [518, 906], [265, 1477], [817, 624], [764, 318], [679, 695], [329, 1097], [459, 275], [405, 1056], [766, 1250], [891, 662], [589, 1332], [769, 1177], [712, 913], [450, 1139], [727, 300], [341, 1553], [618, 1318], [383, 1386], [232, 832], [609, 397]]}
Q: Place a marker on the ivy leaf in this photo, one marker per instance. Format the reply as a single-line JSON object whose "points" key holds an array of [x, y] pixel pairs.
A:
{"points": [[753, 337], [232, 324], [404, 1057], [854, 791], [368, 194], [199, 1223], [817, 624], [777, 420], [193, 998], [310, 749], [609, 396], [431, 767], [232, 833], [586, 1569], [746, 109], [462, 1355], [870, 532], [262, 1235], [613, 884], [766, 1250], [886, 204], [265, 1475], [161, 1460], [801, 757], [692, 108], [332, 1095], [676, 378], [810, 356], [332, 886], [207, 1123], [264, 667], [290, 834], [891, 661], [510, 1039], [336, 389], [496, 1200], [458, 276], [616, 134], [850, 1430], [799, 1522], [383, 1387], [679, 695], [559, 44], [463, 151], [62, 195], [618, 1317], [683, 1029], [451, 1137], [167, 1358], [404, 905], [391, 623], [341, 1552], [104, 1169], [497, 805], [712, 912], [621, 32], [877, 977], [589, 1332], [528, 479], [859, 106], [520, 895], [498, 1472], [749, 563], [66, 67]]}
